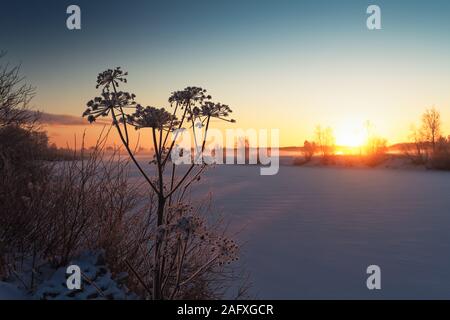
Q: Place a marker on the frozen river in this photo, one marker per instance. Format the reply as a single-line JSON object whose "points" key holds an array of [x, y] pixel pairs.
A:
{"points": [[312, 232]]}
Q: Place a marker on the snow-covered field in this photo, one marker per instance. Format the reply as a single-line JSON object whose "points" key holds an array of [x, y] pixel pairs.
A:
{"points": [[312, 232]]}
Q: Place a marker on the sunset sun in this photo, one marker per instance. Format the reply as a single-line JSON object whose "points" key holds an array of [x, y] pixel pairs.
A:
{"points": [[350, 135]]}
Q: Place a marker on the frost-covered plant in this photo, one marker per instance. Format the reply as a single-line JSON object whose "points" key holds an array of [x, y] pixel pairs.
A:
{"points": [[182, 248]]}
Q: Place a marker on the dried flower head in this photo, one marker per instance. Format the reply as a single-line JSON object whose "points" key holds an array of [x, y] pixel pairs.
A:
{"points": [[151, 117], [213, 110], [111, 77], [226, 250], [101, 106], [189, 95]]}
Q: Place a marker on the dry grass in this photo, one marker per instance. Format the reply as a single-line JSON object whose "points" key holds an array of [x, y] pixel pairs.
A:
{"points": [[53, 211]]}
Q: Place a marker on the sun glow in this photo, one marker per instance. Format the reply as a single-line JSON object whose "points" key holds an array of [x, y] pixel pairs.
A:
{"points": [[350, 135]]}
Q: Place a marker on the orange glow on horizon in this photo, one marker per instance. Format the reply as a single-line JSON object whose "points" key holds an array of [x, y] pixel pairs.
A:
{"points": [[350, 133]]}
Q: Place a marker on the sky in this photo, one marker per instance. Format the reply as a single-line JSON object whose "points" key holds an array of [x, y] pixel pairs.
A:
{"points": [[288, 65]]}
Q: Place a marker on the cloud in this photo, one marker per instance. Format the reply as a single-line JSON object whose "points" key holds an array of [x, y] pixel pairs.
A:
{"points": [[65, 120]]}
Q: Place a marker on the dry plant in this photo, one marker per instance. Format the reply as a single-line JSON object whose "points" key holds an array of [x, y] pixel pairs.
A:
{"points": [[183, 254], [53, 211], [56, 212]]}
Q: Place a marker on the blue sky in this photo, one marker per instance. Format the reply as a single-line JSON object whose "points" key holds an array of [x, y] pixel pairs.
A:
{"points": [[285, 64]]}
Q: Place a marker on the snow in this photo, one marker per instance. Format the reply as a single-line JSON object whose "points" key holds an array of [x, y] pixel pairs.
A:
{"points": [[9, 291], [97, 282], [312, 232], [99, 285]]}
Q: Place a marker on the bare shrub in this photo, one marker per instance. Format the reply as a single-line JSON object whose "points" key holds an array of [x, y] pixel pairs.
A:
{"points": [[441, 157], [416, 150], [309, 149], [375, 151], [69, 207], [306, 153]]}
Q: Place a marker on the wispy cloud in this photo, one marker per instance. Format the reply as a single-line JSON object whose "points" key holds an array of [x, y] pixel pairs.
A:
{"points": [[65, 120]]}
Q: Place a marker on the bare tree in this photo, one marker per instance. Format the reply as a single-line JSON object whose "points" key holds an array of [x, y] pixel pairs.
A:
{"points": [[309, 149], [417, 152], [375, 146], [325, 141], [431, 127], [15, 97]]}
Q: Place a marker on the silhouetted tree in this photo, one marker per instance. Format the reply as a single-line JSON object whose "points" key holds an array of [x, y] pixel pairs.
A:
{"points": [[15, 96], [418, 154], [431, 127], [325, 141], [309, 149], [375, 147]]}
